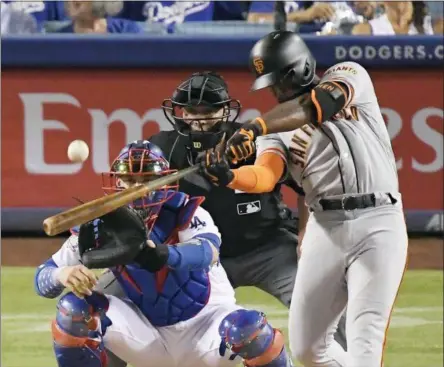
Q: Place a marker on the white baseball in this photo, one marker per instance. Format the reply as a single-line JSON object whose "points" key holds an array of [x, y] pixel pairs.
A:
{"points": [[78, 151]]}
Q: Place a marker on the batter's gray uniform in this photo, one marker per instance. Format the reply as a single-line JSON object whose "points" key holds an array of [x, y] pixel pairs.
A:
{"points": [[350, 258]]}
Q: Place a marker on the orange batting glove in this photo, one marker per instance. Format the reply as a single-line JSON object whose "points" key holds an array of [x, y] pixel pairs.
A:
{"points": [[215, 167], [242, 144]]}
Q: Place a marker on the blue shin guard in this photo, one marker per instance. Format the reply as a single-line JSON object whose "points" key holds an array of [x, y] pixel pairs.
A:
{"points": [[248, 334], [78, 331]]}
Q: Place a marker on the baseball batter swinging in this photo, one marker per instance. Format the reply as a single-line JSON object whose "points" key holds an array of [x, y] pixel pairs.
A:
{"points": [[354, 250]]}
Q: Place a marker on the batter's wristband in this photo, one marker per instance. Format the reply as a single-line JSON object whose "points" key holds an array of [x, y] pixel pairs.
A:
{"points": [[263, 127]]}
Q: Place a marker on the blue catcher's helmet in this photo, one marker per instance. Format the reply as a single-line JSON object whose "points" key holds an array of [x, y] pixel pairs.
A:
{"points": [[139, 162]]}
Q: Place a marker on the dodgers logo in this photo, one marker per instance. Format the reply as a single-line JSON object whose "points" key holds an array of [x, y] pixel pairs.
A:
{"points": [[156, 11], [196, 223]]}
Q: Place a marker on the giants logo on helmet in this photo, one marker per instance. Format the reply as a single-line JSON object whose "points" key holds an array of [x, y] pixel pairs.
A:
{"points": [[258, 65]]}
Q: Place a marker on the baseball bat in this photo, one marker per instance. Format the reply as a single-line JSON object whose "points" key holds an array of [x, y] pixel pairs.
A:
{"points": [[96, 208]]}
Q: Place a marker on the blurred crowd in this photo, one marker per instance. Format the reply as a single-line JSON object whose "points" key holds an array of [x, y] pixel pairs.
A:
{"points": [[315, 17]]}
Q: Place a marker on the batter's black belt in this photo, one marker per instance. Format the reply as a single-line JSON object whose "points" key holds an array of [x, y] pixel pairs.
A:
{"points": [[351, 202]]}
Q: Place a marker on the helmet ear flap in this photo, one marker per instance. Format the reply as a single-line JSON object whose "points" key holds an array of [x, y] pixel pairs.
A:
{"points": [[302, 75]]}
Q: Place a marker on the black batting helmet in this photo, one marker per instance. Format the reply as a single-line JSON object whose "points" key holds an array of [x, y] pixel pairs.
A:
{"points": [[204, 93], [282, 60]]}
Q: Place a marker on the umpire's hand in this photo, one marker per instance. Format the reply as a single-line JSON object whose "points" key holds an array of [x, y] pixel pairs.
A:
{"points": [[215, 167]]}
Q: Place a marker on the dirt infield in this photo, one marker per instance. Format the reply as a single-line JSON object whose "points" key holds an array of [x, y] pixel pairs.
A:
{"points": [[424, 253]]}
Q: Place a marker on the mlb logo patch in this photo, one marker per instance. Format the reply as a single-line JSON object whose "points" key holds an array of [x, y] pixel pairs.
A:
{"points": [[249, 208]]}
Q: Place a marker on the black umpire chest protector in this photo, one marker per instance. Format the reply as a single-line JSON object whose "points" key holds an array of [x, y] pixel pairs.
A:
{"points": [[245, 221]]}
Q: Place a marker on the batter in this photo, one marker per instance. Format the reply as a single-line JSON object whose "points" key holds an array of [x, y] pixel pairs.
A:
{"points": [[355, 246]]}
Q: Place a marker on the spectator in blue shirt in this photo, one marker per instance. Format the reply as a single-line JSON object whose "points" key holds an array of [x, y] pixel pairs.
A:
{"points": [[168, 12], [97, 17]]}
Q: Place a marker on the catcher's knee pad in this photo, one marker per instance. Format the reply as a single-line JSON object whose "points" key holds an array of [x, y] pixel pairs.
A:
{"points": [[78, 331], [248, 334]]}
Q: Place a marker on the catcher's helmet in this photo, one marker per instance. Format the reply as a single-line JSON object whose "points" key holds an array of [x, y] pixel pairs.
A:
{"points": [[204, 93], [282, 60], [137, 163]]}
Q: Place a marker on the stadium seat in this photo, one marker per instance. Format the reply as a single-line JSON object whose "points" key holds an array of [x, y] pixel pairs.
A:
{"points": [[224, 28], [151, 28], [54, 26]]}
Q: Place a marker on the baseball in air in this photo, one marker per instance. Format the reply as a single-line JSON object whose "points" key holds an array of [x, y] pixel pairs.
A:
{"points": [[78, 151]]}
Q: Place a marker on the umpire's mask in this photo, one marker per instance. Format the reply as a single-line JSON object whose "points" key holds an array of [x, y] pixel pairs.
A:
{"points": [[201, 110]]}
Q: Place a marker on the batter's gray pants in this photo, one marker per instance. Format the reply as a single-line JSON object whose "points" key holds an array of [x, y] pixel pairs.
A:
{"points": [[271, 268]]}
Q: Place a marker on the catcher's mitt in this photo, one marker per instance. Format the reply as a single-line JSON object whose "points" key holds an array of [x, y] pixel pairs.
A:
{"points": [[112, 240]]}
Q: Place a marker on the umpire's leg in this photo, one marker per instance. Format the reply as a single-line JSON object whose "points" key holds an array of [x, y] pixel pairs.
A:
{"points": [[272, 268], [108, 284]]}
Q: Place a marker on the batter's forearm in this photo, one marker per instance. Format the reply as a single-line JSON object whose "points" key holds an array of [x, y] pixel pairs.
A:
{"points": [[253, 179], [261, 177], [288, 116]]}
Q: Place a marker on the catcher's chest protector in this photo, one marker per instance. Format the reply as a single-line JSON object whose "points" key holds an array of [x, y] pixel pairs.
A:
{"points": [[168, 296]]}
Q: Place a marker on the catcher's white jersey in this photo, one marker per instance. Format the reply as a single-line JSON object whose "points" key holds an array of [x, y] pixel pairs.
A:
{"points": [[194, 342], [349, 154], [221, 289]]}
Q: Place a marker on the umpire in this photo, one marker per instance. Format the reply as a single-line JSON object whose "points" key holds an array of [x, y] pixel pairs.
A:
{"points": [[259, 232]]}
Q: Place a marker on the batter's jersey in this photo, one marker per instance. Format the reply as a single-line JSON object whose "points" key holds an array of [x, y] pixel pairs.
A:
{"points": [[349, 154]]}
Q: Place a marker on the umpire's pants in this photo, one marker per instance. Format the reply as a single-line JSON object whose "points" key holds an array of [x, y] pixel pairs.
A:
{"points": [[271, 268]]}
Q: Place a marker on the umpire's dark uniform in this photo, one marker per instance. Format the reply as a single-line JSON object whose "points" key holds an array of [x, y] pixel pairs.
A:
{"points": [[259, 233]]}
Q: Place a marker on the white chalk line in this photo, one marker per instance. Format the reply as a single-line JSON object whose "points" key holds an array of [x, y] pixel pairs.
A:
{"points": [[271, 310], [40, 323]]}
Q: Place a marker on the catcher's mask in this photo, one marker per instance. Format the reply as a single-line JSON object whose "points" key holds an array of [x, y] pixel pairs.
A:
{"points": [[138, 163], [204, 97]]}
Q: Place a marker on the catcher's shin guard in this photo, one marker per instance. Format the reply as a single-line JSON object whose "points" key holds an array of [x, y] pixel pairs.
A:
{"points": [[248, 334], [78, 331]]}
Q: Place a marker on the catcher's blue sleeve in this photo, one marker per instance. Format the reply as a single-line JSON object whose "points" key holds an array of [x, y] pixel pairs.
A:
{"points": [[196, 243], [45, 282]]}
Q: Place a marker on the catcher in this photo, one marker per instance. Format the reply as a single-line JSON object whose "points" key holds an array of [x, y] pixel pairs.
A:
{"points": [[179, 308]]}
